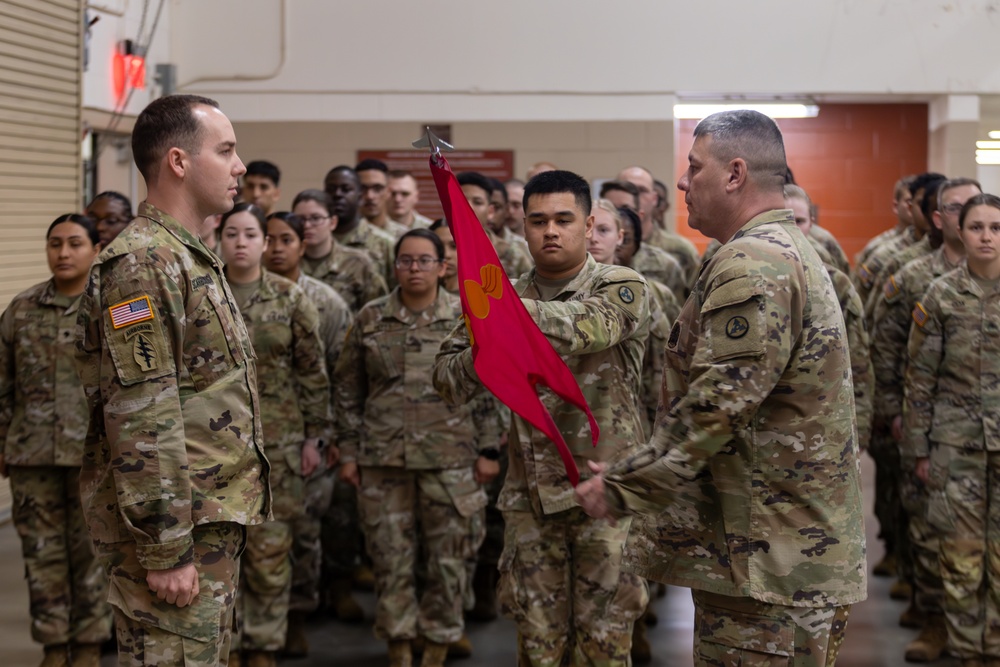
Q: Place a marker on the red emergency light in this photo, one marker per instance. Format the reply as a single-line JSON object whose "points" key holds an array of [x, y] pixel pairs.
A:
{"points": [[128, 69]]}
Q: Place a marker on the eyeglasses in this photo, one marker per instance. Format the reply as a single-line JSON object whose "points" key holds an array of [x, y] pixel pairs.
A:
{"points": [[953, 208], [313, 220], [424, 262]]}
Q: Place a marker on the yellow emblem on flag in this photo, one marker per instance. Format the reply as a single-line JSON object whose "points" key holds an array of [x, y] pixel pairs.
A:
{"points": [[478, 294]]}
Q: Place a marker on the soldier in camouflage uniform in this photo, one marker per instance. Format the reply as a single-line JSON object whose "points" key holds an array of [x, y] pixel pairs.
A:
{"points": [[917, 541], [351, 272], [173, 465], [295, 412], [560, 576], [749, 491], [41, 449], [373, 177], [111, 211], [286, 233], [901, 199], [353, 231], [950, 435], [419, 464]]}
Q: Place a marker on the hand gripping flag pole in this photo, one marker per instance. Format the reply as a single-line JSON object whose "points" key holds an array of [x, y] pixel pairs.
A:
{"points": [[509, 351]]}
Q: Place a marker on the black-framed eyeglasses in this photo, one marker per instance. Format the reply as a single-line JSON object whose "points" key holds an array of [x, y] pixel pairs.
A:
{"points": [[313, 220], [424, 262]]}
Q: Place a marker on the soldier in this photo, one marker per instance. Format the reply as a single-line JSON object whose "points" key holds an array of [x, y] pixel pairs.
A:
{"points": [[173, 466], [285, 247], [112, 211], [404, 195], [916, 541], [350, 271], [418, 463], [450, 278], [353, 231], [498, 220], [950, 439], [560, 574], [515, 205], [43, 423], [295, 412], [260, 185], [478, 190], [749, 489], [373, 176], [901, 199]]}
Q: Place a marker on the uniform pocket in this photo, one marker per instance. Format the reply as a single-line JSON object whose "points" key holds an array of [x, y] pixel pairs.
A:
{"points": [[208, 351], [743, 640]]}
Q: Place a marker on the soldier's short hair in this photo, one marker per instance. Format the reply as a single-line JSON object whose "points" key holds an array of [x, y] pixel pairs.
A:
{"points": [[953, 183], [476, 179], [265, 169], [793, 191], [752, 136], [498, 186], [166, 123], [902, 186], [421, 233], [621, 186], [982, 199], [371, 164], [559, 181], [114, 196]]}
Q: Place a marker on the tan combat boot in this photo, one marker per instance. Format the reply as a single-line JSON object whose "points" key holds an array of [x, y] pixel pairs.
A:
{"points": [[344, 606], [363, 578], [912, 618], [901, 590], [460, 649], [642, 654], [86, 655], [56, 655], [296, 643], [261, 659], [400, 654], [434, 654], [930, 643]]}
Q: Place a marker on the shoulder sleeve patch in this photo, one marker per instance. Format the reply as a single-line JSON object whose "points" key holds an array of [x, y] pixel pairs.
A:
{"points": [[866, 276], [920, 315], [129, 312], [891, 289]]}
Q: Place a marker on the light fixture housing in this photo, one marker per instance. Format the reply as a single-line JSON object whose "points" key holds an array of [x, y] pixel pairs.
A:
{"points": [[699, 110]]}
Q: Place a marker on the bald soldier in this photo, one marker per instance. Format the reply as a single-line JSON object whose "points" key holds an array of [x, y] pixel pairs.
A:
{"points": [[173, 467], [749, 490]]}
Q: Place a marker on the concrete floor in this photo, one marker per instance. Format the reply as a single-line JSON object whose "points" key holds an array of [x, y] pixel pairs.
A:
{"points": [[873, 637]]}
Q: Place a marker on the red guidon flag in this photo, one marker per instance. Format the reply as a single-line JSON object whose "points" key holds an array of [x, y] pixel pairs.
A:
{"points": [[510, 353]]}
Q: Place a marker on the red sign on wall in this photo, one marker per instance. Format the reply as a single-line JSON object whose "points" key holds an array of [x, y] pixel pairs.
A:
{"points": [[494, 164]]}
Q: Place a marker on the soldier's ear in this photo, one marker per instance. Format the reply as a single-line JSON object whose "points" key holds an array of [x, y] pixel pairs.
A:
{"points": [[176, 161], [737, 175]]}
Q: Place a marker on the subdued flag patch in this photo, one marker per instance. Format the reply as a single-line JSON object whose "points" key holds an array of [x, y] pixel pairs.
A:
{"points": [[920, 315], [130, 312]]}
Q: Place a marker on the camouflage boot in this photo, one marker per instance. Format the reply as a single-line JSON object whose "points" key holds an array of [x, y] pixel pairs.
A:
{"points": [[56, 655], [434, 654], [642, 654], [86, 655], [344, 606], [261, 659], [930, 643], [296, 643], [460, 649], [400, 654]]}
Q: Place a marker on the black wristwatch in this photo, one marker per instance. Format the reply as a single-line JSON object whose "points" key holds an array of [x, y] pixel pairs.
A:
{"points": [[491, 454]]}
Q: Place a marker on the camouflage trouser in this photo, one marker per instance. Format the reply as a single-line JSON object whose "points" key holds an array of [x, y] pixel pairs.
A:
{"points": [[307, 550], [265, 588], [67, 586], [561, 581], [153, 632], [965, 506], [402, 511], [884, 451], [923, 541], [341, 533], [731, 631]]}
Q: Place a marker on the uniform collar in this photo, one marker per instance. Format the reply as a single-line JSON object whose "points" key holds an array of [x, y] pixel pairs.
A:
{"points": [[439, 310], [574, 285], [778, 215], [50, 297], [178, 231]]}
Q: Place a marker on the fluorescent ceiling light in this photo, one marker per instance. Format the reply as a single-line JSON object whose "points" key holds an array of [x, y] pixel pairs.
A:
{"points": [[987, 157], [988, 145], [697, 111], [995, 134]]}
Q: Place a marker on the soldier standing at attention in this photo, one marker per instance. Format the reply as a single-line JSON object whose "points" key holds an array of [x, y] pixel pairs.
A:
{"points": [[111, 211], [352, 230], [294, 394], [173, 466], [749, 490], [560, 572], [950, 432], [418, 463], [41, 449]]}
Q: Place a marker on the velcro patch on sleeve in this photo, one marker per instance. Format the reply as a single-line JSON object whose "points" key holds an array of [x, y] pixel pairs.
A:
{"points": [[891, 289], [920, 315], [130, 312]]}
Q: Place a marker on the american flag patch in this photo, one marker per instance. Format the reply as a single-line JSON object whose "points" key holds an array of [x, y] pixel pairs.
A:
{"points": [[130, 312], [920, 315]]}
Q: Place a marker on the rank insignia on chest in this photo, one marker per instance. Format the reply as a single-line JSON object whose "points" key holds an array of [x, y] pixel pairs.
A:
{"points": [[920, 315], [737, 327], [891, 288], [131, 312]]}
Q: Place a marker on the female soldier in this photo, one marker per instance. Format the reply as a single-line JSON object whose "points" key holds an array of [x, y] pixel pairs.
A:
{"points": [[285, 247], [417, 462], [111, 212], [41, 448], [951, 432], [294, 397]]}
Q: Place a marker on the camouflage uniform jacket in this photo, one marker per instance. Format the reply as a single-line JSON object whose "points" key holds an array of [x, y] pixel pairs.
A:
{"points": [[654, 263], [829, 242], [43, 412], [953, 378], [168, 370], [392, 228], [892, 319], [352, 273], [598, 324], [891, 265], [519, 243], [663, 310], [514, 263], [388, 413], [680, 249], [867, 272], [379, 245], [750, 486], [884, 237], [334, 317], [862, 372]]}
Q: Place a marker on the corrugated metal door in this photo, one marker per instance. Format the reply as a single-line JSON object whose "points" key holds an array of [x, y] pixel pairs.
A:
{"points": [[40, 174]]}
